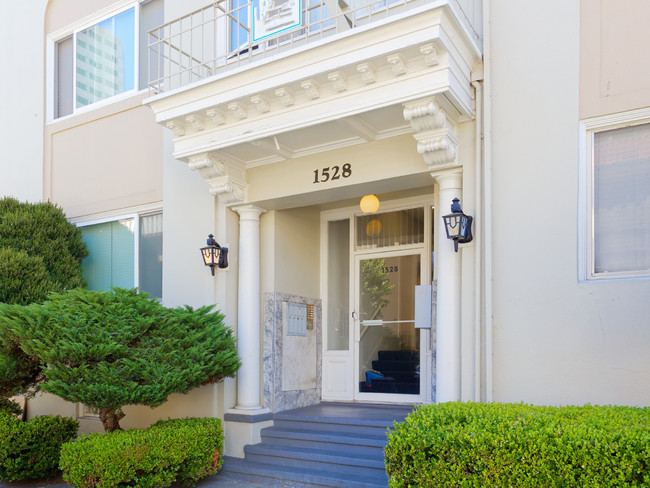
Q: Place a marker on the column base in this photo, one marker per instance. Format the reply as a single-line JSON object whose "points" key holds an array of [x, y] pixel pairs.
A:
{"points": [[243, 427]]}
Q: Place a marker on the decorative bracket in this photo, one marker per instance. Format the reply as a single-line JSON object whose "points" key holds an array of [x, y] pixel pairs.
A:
{"points": [[226, 180], [435, 134]]}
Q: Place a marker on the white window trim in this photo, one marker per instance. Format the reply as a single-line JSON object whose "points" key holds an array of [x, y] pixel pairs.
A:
{"points": [[72, 30], [586, 238], [136, 240]]}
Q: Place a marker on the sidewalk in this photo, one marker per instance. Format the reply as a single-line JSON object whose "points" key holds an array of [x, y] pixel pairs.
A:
{"points": [[219, 480]]}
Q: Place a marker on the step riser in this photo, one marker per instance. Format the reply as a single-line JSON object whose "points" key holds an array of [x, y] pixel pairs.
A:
{"points": [[362, 450], [325, 446], [316, 465], [316, 483], [332, 427]]}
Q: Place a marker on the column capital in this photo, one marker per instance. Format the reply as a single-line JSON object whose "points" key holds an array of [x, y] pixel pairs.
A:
{"points": [[449, 180], [248, 211]]}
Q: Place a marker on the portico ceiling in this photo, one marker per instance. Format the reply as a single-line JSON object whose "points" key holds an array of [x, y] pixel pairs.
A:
{"points": [[356, 129]]}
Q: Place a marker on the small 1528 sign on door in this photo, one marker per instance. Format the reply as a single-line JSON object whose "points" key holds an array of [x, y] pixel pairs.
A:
{"points": [[332, 173]]}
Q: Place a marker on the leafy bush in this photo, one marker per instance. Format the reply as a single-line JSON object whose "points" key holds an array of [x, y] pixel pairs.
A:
{"points": [[41, 237], [31, 449], [479, 445], [40, 252], [174, 451], [111, 349], [10, 407]]}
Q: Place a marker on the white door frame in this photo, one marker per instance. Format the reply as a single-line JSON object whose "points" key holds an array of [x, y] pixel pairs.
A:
{"points": [[356, 332], [339, 367]]}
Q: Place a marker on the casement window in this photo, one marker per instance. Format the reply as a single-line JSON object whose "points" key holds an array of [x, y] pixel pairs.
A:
{"points": [[126, 253], [102, 58], [619, 221]]}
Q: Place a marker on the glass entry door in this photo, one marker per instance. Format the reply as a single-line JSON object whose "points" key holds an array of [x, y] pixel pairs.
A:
{"points": [[387, 343]]}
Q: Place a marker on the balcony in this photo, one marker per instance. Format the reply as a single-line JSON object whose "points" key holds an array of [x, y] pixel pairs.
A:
{"points": [[241, 100], [229, 34]]}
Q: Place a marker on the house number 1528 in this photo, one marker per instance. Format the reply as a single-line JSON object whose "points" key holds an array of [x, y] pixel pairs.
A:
{"points": [[332, 173]]}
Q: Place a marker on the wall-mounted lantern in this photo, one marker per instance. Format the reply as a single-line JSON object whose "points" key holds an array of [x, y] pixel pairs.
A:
{"points": [[458, 225], [214, 255]]}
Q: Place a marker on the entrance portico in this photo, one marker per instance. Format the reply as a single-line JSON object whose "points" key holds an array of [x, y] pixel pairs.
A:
{"points": [[373, 111]]}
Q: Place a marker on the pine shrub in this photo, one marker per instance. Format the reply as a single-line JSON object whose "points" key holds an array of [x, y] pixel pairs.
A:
{"points": [[520, 446], [180, 451], [108, 349], [31, 449]]}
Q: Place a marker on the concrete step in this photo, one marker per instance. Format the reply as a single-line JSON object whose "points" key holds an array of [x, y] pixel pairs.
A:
{"points": [[317, 459], [295, 477], [360, 444], [326, 445]]}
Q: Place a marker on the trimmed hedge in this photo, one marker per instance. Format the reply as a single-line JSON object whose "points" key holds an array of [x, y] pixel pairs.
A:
{"points": [[505, 445], [179, 451], [10, 406], [31, 449]]}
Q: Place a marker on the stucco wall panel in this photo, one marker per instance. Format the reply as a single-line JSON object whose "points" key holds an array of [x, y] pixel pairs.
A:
{"points": [[61, 13], [297, 252], [557, 339], [21, 123], [107, 163], [614, 72]]}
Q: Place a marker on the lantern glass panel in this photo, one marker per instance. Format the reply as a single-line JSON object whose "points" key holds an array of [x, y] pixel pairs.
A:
{"points": [[209, 256], [452, 225]]}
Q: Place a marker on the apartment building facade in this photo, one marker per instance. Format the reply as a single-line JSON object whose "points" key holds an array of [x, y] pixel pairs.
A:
{"points": [[266, 123]]}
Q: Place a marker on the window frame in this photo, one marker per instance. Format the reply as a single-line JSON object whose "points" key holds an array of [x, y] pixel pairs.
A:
{"points": [[136, 216], [72, 30], [586, 238]]}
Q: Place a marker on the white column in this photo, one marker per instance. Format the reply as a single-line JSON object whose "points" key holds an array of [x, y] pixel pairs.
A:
{"points": [[248, 308], [448, 325]]}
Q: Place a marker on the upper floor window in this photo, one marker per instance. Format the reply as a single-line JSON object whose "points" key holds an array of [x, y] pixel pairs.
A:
{"points": [[103, 58], [620, 195]]}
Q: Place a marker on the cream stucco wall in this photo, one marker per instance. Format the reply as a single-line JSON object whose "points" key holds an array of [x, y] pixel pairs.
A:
{"points": [[557, 338], [614, 72], [297, 252], [105, 159], [21, 85]]}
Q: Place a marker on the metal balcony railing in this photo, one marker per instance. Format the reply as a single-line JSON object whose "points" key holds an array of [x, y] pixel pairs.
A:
{"points": [[228, 33]]}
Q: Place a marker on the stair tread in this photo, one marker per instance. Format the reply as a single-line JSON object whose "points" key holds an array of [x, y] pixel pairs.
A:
{"points": [[343, 421], [316, 436], [337, 457], [341, 433]]}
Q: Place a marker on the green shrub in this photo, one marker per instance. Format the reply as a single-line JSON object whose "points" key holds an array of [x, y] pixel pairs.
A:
{"points": [[31, 449], [40, 235], [108, 349], [497, 445], [179, 451], [9, 406], [40, 252]]}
